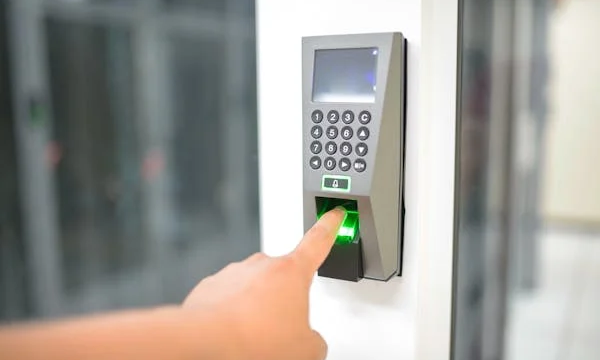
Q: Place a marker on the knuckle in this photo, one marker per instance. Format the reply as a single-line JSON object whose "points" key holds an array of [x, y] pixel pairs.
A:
{"points": [[257, 256], [283, 265]]}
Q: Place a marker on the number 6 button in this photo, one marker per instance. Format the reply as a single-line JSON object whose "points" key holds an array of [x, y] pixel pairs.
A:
{"points": [[347, 132]]}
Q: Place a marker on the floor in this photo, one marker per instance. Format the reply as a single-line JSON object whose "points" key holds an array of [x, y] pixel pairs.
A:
{"points": [[560, 319]]}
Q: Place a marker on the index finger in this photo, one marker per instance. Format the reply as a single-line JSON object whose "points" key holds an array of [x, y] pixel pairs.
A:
{"points": [[318, 241]]}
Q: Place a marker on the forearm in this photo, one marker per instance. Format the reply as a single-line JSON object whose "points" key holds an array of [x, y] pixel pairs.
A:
{"points": [[162, 333]]}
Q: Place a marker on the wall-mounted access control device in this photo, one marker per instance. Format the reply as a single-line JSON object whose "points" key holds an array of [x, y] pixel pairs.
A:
{"points": [[353, 89]]}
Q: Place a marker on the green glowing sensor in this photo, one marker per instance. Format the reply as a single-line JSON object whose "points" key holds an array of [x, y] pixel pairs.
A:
{"points": [[350, 225]]}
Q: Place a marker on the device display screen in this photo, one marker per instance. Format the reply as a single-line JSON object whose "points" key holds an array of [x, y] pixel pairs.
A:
{"points": [[345, 75]]}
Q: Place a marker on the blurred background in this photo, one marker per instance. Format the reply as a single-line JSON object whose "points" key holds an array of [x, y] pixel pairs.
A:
{"points": [[128, 150], [128, 163], [528, 225]]}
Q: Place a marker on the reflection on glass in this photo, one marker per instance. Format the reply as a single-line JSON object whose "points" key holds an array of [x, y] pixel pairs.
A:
{"points": [[152, 156], [526, 274], [12, 249], [210, 5]]}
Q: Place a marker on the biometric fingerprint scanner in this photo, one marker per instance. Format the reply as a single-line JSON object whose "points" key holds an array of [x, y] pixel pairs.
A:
{"points": [[345, 259], [353, 148], [349, 229]]}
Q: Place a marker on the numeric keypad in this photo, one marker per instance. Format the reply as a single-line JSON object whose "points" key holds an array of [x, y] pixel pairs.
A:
{"points": [[346, 145]]}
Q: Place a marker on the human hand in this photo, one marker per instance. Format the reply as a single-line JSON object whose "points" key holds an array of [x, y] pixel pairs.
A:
{"points": [[264, 300]]}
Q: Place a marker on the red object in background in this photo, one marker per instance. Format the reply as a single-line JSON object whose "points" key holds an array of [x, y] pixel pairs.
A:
{"points": [[54, 154], [153, 165]]}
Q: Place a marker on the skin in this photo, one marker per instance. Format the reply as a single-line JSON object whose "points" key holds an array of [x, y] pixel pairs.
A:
{"points": [[254, 309]]}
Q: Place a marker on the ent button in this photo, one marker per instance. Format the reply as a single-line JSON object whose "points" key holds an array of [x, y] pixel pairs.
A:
{"points": [[360, 165]]}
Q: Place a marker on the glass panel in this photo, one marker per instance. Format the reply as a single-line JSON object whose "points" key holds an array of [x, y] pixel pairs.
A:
{"points": [[153, 155], [483, 143], [553, 306], [13, 291], [145, 197], [528, 244], [212, 5], [97, 152], [93, 2]]}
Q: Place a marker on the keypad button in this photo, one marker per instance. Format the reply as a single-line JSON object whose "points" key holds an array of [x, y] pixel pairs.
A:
{"points": [[316, 132], [347, 117], [315, 162], [316, 116], [329, 163], [361, 149], [363, 133], [345, 164], [347, 133], [333, 116], [332, 132], [345, 148], [364, 117], [316, 147], [360, 165], [330, 148]]}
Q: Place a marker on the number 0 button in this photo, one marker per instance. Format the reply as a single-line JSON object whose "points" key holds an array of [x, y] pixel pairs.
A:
{"points": [[330, 163]]}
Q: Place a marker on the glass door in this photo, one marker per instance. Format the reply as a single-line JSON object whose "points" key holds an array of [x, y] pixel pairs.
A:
{"points": [[136, 136]]}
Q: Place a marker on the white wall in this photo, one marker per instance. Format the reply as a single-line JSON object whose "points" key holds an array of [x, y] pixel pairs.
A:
{"points": [[367, 320], [572, 175]]}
